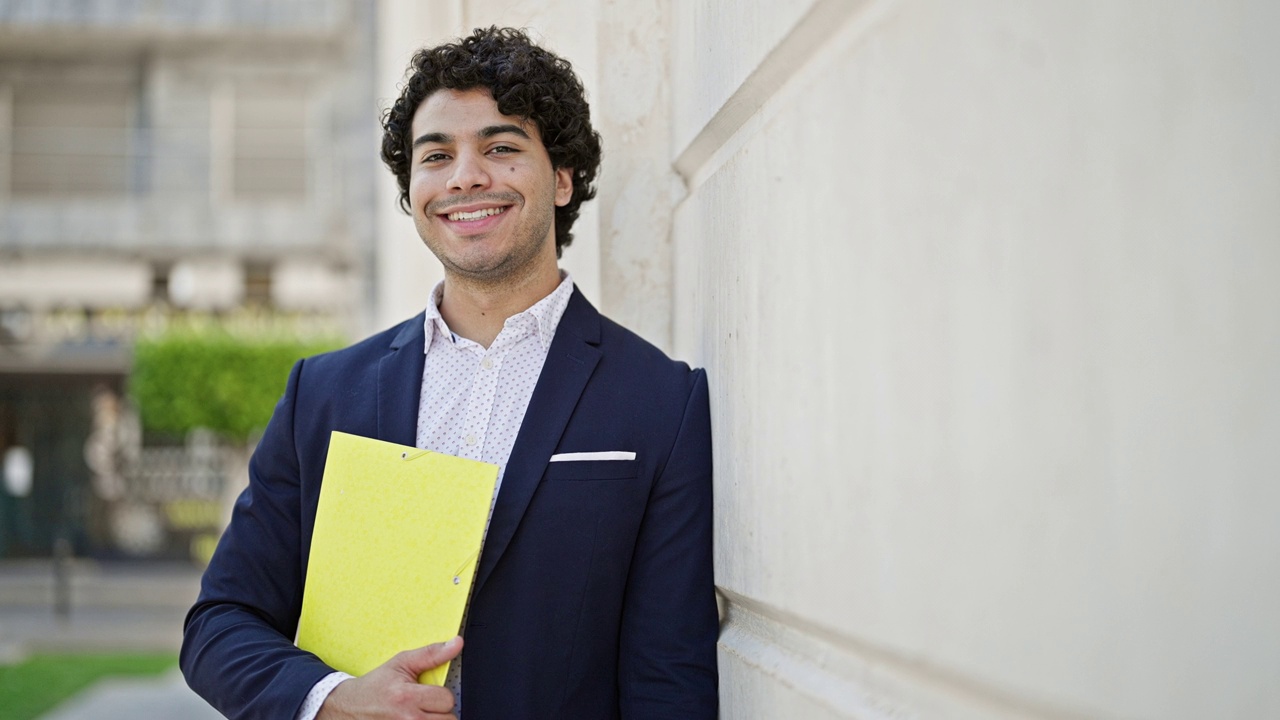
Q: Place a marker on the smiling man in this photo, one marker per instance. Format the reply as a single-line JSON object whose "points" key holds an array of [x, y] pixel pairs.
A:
{"points": [[593, 597]]}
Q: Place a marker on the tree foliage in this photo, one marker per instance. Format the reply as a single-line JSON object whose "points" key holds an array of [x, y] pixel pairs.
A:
{"points": [[212, 379]]}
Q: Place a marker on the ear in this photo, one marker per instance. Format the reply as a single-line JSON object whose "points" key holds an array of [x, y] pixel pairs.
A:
{"points": [[564, 186]]}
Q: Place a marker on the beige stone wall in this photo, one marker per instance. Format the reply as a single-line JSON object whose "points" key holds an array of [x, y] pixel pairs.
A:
{"points": [[986, 293]]}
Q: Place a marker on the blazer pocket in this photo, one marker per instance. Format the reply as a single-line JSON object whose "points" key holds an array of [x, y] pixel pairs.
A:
{"points": [[592, 470]]}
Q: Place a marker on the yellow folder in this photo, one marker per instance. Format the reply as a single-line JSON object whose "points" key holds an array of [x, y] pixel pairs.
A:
{"points": [[394, 551]]}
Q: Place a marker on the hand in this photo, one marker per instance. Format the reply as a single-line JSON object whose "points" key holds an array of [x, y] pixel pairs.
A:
{"points": [[392, 691]]}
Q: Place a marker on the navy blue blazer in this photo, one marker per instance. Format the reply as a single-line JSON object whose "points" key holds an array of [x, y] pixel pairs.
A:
{"points": [[594, 594]]}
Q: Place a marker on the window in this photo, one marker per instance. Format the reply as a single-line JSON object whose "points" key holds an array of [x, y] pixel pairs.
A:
{"points": [[257, 283], [70, 141], [269, 146]]}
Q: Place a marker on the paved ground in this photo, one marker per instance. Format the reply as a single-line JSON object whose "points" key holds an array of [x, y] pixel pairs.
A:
{"points": [[131, 606], [166, 698]]}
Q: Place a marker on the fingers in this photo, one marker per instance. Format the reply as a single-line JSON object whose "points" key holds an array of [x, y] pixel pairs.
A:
{"points": [[383, 695], [438, 704], [416, 662], [416, 699], [392, 689], [428, 699]]}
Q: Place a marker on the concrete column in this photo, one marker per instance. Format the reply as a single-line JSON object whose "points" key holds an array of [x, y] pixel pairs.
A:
{"points": [[6, 140], [405, 271], [222, 100], [638, 187]]}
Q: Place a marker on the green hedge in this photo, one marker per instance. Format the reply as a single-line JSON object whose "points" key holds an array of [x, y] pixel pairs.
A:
{"points": [[228, 384]]}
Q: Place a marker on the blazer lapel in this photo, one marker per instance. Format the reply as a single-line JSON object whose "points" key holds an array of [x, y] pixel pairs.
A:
{"points": [[571, 359], [400, 385]]}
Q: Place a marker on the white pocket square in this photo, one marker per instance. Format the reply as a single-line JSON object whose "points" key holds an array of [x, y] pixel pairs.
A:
{"points": [[606, 455]]}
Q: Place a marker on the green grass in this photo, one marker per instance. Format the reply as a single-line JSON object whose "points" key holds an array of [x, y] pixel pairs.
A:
{"points": [[34, 686]]}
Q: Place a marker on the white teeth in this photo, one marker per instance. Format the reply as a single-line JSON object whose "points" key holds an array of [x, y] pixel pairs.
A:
{"points": [[477, 214]]}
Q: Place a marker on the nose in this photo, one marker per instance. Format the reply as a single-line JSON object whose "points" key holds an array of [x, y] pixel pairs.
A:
{"points": [[468, 173]]}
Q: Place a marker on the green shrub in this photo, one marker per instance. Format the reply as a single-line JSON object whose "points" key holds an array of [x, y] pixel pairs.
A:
{"points": [[212, 379]]}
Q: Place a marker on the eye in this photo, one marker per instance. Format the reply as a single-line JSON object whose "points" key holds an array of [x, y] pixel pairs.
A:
{"points": [[503, 150], [434, 157]]}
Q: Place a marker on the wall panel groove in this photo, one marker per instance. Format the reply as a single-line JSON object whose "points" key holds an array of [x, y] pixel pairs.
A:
{"points": [[856, 679], [827, 29]]}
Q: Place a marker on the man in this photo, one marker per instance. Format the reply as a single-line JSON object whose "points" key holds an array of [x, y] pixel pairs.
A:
{"points": [[593, 597]]}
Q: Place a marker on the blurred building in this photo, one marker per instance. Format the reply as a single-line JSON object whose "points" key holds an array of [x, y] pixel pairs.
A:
{"points": [[158, 159]]}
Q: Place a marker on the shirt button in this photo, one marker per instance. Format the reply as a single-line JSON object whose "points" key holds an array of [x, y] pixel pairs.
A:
{"points": [[471, 439], [486, 363]]}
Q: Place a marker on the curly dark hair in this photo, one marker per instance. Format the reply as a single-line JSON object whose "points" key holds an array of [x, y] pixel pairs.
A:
{"points": [[527, 82]]}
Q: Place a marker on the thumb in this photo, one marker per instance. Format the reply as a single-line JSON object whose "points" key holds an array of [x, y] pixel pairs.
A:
{"points": [[416, 662]]}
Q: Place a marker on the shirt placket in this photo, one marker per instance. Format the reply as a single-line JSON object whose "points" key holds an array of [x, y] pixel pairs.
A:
{"points": [[484, 391]]}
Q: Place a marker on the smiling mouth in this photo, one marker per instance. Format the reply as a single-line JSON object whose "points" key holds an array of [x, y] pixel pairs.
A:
{"points": [[476, 214]]}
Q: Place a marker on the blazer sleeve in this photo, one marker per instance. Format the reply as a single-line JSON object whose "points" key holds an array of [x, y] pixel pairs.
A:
{"points": [[237, 649], [667, 649]]}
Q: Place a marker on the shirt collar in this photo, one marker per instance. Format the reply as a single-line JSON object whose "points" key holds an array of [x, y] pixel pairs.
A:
{"points": [[546, 312]]}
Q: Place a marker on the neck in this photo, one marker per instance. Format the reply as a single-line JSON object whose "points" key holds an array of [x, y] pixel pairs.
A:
{"points": [[476, 310]]}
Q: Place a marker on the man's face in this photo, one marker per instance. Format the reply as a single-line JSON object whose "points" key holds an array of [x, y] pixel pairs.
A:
{"points": [[482, 187]]}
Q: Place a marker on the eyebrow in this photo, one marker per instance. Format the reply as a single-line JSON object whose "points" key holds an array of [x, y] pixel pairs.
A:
{"points": [[492, 130], [485, 132]]}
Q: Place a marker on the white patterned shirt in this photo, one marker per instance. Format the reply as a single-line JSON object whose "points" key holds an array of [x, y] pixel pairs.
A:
{"points": [[472, 403]]}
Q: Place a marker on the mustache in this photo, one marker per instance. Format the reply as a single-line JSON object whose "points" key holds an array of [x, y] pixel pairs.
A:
{"points": [[446, 205]]}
